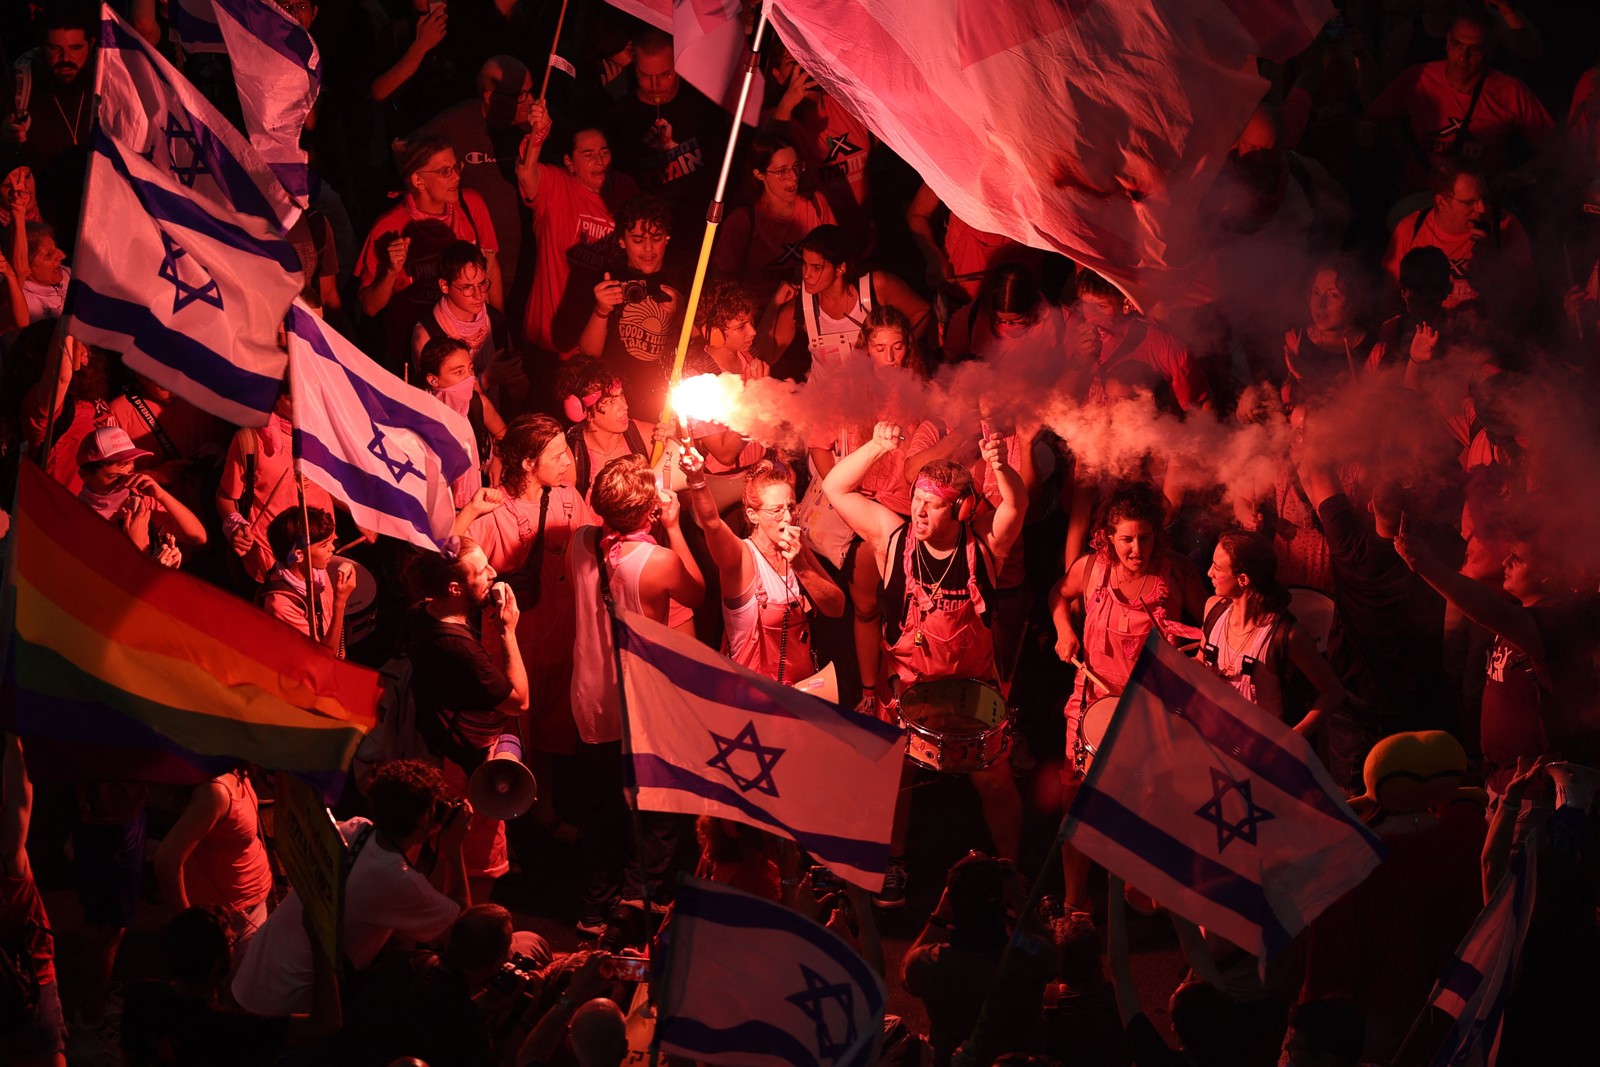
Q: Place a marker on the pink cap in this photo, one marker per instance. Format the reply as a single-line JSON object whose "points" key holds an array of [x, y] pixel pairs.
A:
{"points": [[108, 444]]}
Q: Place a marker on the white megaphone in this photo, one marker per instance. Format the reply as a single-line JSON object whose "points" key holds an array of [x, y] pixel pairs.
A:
{"points": [[502, 788], [1575, 784], [824, 684]]}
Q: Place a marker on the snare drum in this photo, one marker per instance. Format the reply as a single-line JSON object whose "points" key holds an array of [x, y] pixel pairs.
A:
{"points": [[1313, 610], [955, 725], [1092, 732], [361, 610]]}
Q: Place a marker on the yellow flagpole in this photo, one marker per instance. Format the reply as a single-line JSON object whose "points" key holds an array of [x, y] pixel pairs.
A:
{"points": [[713, 220]]}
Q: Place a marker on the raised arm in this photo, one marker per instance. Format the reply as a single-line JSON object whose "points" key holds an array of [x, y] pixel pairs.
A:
{"points": [[529, 174], [186, 524], [1005, 525], [678, 575], [919, 220], [500, 636], [870, 519], [430, 31], [726, 548], [1487, 607]]}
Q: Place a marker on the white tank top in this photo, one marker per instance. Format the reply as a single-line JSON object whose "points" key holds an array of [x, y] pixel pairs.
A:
{"points": [[742, 624], [835, 340]]}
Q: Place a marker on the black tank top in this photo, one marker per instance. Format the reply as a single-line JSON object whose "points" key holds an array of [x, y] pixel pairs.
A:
{"points": [[894, 596]]}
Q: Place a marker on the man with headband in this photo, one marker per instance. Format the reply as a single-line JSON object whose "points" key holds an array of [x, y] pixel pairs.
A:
{"points": [[938, 569]]}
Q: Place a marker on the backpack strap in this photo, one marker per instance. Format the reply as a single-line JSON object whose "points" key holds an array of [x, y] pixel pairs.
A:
{"points": [[811, 310], [1416, 227]]}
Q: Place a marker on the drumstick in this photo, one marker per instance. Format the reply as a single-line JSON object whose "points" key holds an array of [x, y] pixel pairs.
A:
{"points": [[1087, 673]]}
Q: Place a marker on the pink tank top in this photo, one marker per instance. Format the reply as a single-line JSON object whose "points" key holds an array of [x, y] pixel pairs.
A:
{"points": [[1114, 629], [229, 865]]}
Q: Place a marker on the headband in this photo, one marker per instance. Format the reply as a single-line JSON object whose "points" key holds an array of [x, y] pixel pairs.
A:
{"points": [[948, 493], [575, 407]]}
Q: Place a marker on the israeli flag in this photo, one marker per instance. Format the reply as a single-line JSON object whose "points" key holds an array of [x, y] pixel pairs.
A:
{"points": [[151, 110], [1217, 809], [387, 449], [1475, 984], [191, 299], [279, 73], [707, 736], [740, 980]]}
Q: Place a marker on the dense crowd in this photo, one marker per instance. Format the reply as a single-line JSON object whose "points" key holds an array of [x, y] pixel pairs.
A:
{"points": [[1398, 299]]}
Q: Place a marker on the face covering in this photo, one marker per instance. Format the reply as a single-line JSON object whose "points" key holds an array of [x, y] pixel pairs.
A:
{"points": [[458, 397]]}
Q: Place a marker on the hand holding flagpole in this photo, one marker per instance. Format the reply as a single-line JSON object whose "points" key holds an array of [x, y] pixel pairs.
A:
{"points": [[714, 213]]}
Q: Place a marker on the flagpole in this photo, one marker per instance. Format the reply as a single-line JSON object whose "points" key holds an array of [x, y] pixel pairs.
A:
{"points": [[630, 787], [313, 607], [58, 344], [544, 86], [59, 339], [713, 217]]}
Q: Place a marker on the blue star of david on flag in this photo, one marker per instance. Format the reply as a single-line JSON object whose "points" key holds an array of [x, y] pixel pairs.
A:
{"points": [[184, 293], [1213, 810], [766, 758], [815, 1000], [398, 468], [177, 132]]}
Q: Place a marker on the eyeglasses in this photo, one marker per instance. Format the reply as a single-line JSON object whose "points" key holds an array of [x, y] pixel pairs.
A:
{"points": [[793, 170], [445, 171], [472, 287], [1476, 201], [777, 511]]}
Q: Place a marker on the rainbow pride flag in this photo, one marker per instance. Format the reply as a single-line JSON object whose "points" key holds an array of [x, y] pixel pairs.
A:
{"points": [[123, 669]]}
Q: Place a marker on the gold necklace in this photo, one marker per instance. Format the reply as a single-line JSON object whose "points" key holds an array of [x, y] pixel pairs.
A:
{"points": [[73, 132], [917, 638]]}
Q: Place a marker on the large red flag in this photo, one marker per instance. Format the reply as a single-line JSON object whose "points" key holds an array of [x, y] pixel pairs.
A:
{"points": [[1091, 127]]}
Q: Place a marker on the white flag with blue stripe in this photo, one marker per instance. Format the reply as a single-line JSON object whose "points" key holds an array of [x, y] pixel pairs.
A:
{"points": [[744, 981], [387, 449], [1475, 984], [708, 736], [191, 300], [279, 73], [1217, 809], [150, 108]]}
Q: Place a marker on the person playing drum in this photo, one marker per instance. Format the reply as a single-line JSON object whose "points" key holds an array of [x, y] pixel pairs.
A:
{"points": [[938, 567], [770, 580], [1129, 585]]}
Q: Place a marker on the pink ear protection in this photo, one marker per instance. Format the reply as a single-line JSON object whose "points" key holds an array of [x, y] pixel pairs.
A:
{"points": [[575, 407], [966, 503]]}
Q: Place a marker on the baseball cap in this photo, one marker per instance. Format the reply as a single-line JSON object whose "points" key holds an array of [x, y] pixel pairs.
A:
{"points": [[108, 444]]}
